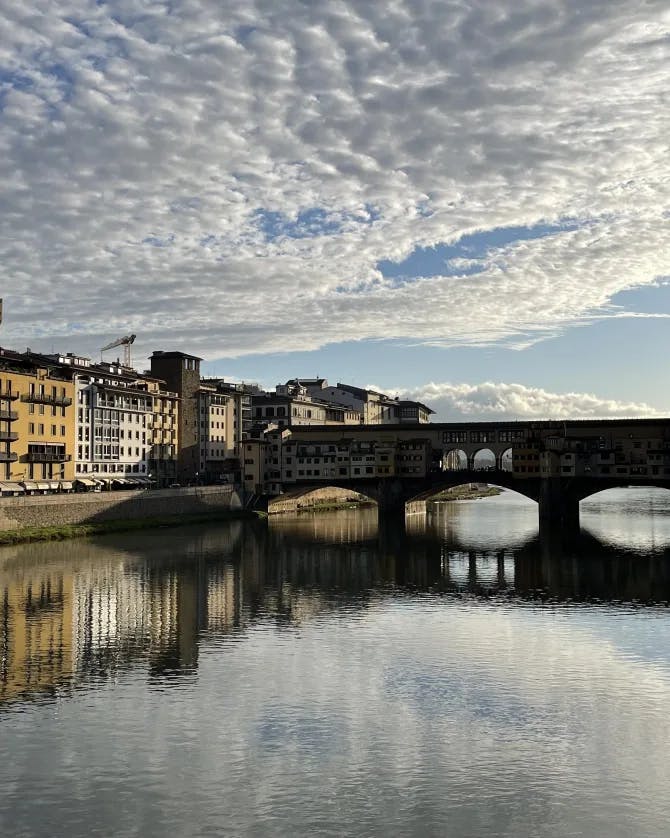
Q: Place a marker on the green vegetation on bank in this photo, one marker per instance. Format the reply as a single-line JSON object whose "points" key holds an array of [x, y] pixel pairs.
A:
{"points": [[329, 506], [467, 493], [26, 534]]}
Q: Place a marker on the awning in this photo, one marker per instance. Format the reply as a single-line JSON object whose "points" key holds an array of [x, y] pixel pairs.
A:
{"points": [[86, 481], [66, 484], [11, 487], [29, 486], [42, 484], [54, 484]]}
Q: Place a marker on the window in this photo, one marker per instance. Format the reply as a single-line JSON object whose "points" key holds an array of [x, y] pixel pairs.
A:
{"points": [[455, 436], [62, 430], [31, 427], [482, 436], [511, 436]]}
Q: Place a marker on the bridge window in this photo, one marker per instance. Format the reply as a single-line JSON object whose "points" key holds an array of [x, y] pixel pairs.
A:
{"points": [[343, 471], [482, 436], [511, 436], [455, 436]]}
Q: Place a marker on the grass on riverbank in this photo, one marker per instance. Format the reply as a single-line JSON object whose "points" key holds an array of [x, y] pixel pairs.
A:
{"points": [[465, 493], [61, 533], [327, 507]]}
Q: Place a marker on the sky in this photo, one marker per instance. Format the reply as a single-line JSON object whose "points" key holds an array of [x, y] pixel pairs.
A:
{"points": [[460, 201]]}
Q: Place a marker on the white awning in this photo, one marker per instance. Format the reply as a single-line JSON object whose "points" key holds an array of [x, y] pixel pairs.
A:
{"points": [[54, 484], [42, 484], [29, 485], [66, 484], [86, 481], [11, 487]]}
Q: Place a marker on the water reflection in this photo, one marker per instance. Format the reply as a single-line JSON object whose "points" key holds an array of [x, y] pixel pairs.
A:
{"points": [[71, 613]]}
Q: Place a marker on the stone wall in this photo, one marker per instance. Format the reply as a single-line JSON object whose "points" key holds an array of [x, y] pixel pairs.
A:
{"points": [[91, 507]]}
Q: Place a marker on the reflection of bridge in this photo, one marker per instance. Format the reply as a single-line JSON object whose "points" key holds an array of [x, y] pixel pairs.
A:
{"points": [[555, 463]]}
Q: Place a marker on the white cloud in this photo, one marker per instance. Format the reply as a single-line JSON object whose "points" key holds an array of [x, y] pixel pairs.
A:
{"points": [[493, 401], [139, 141]]}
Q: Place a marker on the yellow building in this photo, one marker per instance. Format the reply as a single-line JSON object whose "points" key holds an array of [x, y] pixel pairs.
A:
{"points": [[37, 422]]}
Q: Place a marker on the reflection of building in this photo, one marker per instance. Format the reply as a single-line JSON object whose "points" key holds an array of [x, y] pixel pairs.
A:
{"points": [[58, 624], [36, 632]]}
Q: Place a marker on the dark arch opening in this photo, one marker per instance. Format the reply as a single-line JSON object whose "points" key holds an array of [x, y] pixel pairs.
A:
{"points": [[455, 460]]}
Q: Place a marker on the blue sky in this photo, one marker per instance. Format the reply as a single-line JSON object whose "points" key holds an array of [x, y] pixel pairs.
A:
{"points": [[465, 203]]}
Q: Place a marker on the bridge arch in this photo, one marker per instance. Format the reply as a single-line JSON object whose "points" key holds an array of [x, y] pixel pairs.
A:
{"points": [[454, 459], [307, 497], [454, 479], [505, 462], [484, 459], [593, 489]]}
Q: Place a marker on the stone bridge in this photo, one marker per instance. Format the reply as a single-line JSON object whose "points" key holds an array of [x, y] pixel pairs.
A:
{"points": [[557, 498]]}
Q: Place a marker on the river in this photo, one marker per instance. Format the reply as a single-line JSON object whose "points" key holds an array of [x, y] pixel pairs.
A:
{"points": [[320, 675]]}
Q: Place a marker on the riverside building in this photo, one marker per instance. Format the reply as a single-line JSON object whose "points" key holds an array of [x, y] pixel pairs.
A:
{"points": [[36, 424]]}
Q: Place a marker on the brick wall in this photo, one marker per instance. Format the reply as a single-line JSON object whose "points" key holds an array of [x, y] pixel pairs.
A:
{"points": [[90, 507]]}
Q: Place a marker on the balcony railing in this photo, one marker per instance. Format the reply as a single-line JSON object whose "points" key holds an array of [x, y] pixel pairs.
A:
{"points": [[9, 415], [41, 457], [45, 398], [6, 457], [12, 395], [8, 436]]}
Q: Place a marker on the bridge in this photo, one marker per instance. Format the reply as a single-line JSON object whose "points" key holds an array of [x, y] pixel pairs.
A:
{"points": [[555, 463]]}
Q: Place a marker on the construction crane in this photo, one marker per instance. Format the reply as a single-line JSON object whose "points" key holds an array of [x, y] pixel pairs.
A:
{"points": [[125, 342]]}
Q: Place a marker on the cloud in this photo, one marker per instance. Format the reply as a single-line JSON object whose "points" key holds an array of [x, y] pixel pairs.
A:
{"points": [[499, 401], [142, 143]]}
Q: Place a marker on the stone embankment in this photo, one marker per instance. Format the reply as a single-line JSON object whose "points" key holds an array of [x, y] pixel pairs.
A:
{"points": [[18, 513]]}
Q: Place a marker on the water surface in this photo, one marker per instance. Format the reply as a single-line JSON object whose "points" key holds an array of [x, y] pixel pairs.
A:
{"points": [[322, 675]]}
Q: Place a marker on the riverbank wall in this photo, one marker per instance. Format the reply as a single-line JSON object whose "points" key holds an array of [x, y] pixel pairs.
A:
{"points": [[18, 513]]}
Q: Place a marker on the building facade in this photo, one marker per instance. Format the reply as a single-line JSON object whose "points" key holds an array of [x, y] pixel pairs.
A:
{"points": [[181, 374], [36, 423]]}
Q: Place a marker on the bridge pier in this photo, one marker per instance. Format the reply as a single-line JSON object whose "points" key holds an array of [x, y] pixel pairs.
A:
{"points": [[558, 507]]}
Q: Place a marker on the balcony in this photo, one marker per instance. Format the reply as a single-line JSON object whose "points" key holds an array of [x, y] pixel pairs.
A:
{"points": [[8, 436], [9, 415], [41, 457], [11, 395], [6, 457], [44, 398]]}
